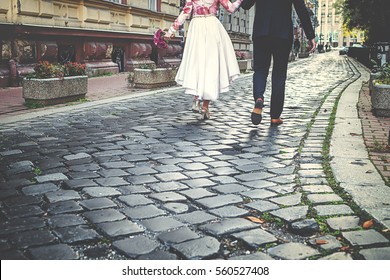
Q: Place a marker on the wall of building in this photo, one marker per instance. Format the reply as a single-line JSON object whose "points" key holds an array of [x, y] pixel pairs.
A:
{"points": [[107, 35]]}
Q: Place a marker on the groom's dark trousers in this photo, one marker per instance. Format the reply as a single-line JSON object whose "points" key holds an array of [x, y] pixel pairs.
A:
{"points": [[272, 39]]}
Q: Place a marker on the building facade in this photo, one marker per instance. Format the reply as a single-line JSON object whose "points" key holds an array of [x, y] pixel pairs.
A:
{"points": [[108, 35]]}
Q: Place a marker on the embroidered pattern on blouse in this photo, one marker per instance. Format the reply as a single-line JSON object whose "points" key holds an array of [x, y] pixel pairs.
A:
{"points": [[203, 7]]}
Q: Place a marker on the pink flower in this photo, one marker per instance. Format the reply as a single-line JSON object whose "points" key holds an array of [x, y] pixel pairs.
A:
{"points": [[159, 39]]}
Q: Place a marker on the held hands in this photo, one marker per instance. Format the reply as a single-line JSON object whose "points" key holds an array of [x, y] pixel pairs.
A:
{"points": [[312, 44], [168, 35]]}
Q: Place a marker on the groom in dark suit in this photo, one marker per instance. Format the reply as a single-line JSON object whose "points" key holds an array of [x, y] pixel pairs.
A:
{"points": [[272, 38]]}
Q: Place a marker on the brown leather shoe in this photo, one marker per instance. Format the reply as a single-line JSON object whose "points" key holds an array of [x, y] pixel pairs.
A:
{"points": [[276, 122]]}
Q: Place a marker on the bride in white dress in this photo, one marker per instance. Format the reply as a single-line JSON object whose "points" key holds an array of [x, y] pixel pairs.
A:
{"points": [[209, 63]]}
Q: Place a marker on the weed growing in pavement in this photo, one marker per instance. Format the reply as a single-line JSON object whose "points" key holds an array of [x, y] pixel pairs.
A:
{"points": [[33, 104], [37, 171]]}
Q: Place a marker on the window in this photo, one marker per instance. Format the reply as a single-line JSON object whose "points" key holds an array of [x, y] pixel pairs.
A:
{"points": [[153, 5]]}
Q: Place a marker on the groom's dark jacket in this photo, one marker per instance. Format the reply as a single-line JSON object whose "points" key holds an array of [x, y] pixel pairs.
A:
{"points": [[274, 18]]}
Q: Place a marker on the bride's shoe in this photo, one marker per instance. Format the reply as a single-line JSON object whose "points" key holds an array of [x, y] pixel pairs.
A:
{"points": [[205, 113], [195, 106]]}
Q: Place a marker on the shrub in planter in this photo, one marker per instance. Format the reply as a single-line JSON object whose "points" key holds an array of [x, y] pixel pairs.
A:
{"points": [[54, 83], [380, 97]]}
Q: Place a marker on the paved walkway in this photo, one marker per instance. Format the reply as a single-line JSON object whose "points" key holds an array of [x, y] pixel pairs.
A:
{"points": [[128, 178]]}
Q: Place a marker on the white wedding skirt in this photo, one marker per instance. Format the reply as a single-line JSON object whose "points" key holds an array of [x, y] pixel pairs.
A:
{"points": [[209, 63]]}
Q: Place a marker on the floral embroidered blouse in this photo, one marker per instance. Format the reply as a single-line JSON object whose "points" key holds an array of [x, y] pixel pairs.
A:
{"points": [[202, 8]]}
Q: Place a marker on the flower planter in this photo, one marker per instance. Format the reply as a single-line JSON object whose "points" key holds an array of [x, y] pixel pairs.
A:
{"points": [[54, 90], [244, 65], [153, 78], [373, 76], [303, 55], [380, 99]]}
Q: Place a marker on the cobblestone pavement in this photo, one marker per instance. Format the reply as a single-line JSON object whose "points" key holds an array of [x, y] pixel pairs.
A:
{"points": [[145, 178]]}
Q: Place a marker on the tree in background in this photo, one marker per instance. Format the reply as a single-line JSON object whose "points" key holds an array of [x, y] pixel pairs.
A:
{"points": [[372, 16]]}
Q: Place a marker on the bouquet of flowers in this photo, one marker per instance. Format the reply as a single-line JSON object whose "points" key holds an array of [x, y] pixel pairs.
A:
{"points": [[159, 39]]}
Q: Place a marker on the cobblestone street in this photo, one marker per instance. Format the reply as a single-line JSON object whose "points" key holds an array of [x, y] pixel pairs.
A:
{"points": [[145, 178]]}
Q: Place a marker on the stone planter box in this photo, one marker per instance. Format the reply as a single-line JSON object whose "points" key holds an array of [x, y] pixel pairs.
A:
{"points": [[153, 78], [303, 55], [244, 65], [373, 76], [380, 99], [54, 90]]}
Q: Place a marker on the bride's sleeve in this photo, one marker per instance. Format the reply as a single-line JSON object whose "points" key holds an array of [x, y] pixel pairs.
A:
{"points": [[229, 6], [184, 15]]}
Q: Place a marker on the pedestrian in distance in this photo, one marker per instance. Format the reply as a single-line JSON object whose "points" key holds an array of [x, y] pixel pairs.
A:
{"points": [[272, 38], [297, 46], [209, 63]]}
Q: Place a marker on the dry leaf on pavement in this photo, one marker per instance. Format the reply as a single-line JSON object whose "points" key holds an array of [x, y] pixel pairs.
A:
{"points": [[255, 219], [321, 241], [368, 224]]}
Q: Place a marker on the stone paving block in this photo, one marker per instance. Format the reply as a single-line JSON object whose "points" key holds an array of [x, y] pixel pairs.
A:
{"points": [[228, 226], [305, 227], [337, 256], [193, 166], [199, 183], [260, 184], [254, 176], [101, 191], [292, 251], [51, 177], [160, 224], [250, 167], [142, 170], [167, 168], [133, 189], [365, 237], [285, 179], [288, 200], [105, 215], [80, 233], [171, 176], [376, 253], [97, 203], [21, 224], [262, 205], [143, 212], [317, 189], [224, 171], [195, 217], [135, 200], [32, 238], [62, 195], [11, 153], [53, 252], [218, 201], [83, 175], [259, 194], [201, 248], [77, 156], [283, 189], [39, 189], [327, 242], [79, 184], [197, 193], [229, 212], [63, 207], [230, 188], [12, 255], [338, 209], [177, 208], [158, 255], [168, 186], [343, 223], [112, 173], [255, 237], [324, 198], [22, 201], [23, 211], [197, 174], [254, 256], [178, 236], [291, 214], [165, 197], [117, 164], [65, 220], [120, 228], [111, 182], [137, 246]]}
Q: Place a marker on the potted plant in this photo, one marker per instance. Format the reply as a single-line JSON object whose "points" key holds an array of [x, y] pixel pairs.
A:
{"points": [[55, 83], [380, 97], [242, 61]]}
